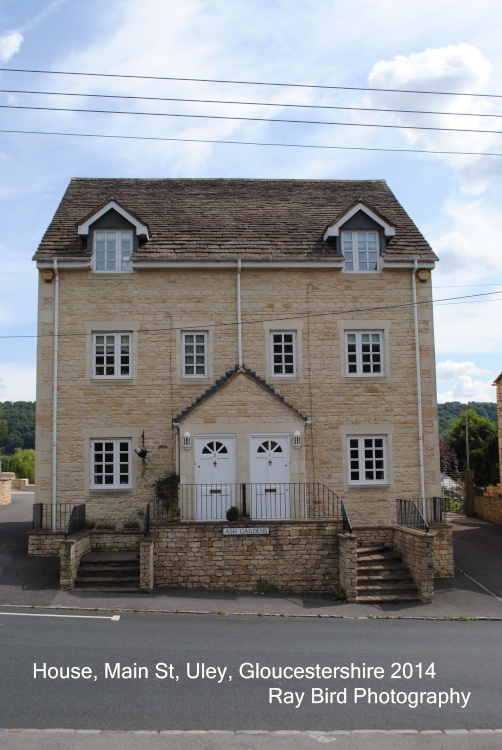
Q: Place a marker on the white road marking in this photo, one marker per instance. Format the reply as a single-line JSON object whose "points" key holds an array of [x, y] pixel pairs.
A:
{"points": [[478, 583], [114, 618]]}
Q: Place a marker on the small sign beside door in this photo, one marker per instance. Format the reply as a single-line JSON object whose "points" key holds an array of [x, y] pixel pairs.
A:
{"points": [[246, 531]]}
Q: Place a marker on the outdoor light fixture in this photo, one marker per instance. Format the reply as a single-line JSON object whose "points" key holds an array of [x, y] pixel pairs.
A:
{"points": [[297, 439], [187, 441]]}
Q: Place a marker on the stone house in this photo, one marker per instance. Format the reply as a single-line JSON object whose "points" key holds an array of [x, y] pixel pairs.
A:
{"points": [[269, 341]]}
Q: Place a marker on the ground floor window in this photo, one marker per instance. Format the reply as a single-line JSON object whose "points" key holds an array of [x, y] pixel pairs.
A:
{"points": [[367, 459], [111, 463]]}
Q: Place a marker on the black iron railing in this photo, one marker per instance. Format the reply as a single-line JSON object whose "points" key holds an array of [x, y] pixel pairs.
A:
{"points": [[146, 528], [346, 525], [258, 501], [52, 517], [76, 522], [408, 514]]}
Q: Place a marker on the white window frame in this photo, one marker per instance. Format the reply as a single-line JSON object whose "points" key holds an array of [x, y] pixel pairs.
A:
{"points": [[116, 259], [185, 352], [360, 357], [116, 338], [351, 241], [113, 450], [367, 455], [283, 355]]}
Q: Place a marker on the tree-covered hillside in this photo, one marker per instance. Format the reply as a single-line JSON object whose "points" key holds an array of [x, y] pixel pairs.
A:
{"points": [[451, 410], [20, 419]]}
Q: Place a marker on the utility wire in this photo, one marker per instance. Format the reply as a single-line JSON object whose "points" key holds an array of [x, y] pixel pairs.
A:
{"points": [[249, 83], [347, 311], [252, 143], [252, 104], [248, 119]]}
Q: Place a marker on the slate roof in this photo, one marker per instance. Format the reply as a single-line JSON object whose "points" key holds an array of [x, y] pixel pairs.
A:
{"points": [[223, 219], [224, 380]]}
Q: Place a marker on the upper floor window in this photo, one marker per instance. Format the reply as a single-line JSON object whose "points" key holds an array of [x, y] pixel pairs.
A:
{"points": [[364, 352], [111, 355], [194, 354], [284, 353], [111, 463], [367, 460], [360, 250], [112, 250]]}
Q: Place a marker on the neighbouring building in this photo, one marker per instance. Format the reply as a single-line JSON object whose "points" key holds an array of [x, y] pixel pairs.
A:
{"points": [[258, 338]]}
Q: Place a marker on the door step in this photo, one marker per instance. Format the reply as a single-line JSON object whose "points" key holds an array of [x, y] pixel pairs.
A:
{"points": [[108, 571], [382, 576]]}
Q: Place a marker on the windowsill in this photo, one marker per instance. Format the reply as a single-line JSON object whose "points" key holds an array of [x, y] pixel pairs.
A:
{"points": [[115, 490], [369, 376], [362, 273], [112, 380], [368, 487], [111, 273]]}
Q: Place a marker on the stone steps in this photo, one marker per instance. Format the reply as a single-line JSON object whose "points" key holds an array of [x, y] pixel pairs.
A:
{"points": [[108, 571], [383, 577]]}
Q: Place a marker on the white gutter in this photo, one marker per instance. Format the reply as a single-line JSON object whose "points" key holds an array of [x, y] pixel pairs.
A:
{"points": [[419, 390], [55, 394], [239, 311]]}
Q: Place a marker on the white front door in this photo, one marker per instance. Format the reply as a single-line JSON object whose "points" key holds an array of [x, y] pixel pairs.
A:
{"points": [[214, 476], [270, 474]]}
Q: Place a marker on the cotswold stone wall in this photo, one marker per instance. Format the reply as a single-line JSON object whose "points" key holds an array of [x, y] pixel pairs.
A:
{"points": [[297, 557], [45, 543], [443, 551], [492, 504], [417, 550], [5, 491], [71, 552]]}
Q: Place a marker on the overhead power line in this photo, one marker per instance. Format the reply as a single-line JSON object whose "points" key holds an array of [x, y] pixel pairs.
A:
{"points": [[462, 299], [251, 104], [251, 143], [248, 83], [282, 120]]}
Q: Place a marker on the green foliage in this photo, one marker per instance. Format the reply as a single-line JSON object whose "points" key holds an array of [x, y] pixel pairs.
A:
{"points": [[20, 418], [166, 492], [448, 459], [4, 428], [451, 411], [233, 513], [23, 464], [266, 587], [483, 452], [131, 523], [108, 525]]}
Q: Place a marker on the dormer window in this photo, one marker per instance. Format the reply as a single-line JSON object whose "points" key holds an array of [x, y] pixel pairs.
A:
{"points": [[112, 250], [113, 234], [360, 234], [360, 250]]}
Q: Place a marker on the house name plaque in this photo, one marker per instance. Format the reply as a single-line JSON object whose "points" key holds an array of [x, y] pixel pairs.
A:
{"points": [[246, 531]]}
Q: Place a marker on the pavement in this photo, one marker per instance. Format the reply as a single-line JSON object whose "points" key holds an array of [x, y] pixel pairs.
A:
{"points": [[474, 592]]}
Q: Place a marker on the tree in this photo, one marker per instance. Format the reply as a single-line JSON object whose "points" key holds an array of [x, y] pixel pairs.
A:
{"points": [[482, 438], [23, 463], [20, 418], [448, 458], [3, 427]]}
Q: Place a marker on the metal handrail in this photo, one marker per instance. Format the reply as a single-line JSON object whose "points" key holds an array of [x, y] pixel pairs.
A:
{"points": [[409, 514], [146, 529], [346, 525], [76, 522]]}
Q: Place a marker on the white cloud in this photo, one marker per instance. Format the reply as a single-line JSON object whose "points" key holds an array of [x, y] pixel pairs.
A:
{"points": [[10, 44], [448, 370], [466, 389], [461, 67]]}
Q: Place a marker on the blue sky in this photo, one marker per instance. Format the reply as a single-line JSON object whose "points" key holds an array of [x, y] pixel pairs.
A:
{"points": [[420, 45]]}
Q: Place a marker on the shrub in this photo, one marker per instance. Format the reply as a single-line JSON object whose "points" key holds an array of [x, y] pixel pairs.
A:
{"points": [[233, 513], [131, 523], [23, 463]]}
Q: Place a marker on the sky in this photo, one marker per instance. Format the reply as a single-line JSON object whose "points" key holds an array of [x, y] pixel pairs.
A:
{"points": [[352, 46]]}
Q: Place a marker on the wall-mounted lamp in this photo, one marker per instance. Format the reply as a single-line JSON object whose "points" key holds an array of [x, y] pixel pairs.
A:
{"points": [[297, 439], [187, 441]]}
